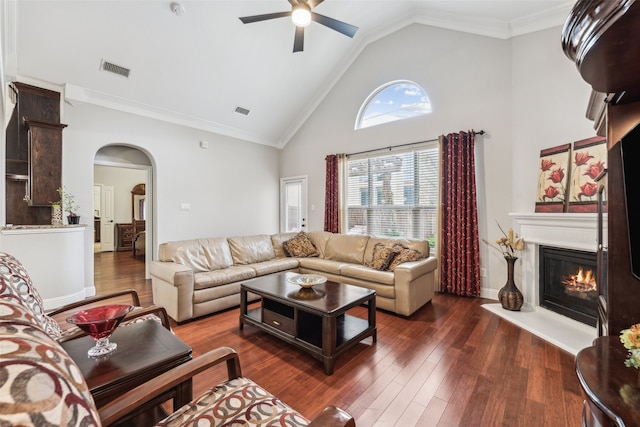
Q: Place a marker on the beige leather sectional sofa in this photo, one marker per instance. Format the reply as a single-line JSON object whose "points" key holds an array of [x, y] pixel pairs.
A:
{"points": [[193, 278]]}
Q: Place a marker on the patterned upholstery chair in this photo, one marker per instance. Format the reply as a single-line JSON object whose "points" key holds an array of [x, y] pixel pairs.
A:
{"points": [[42, 385], [16, 280]]}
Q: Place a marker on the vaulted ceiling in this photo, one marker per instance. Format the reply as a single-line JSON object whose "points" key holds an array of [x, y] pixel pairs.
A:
{"points": [[195, 68]]}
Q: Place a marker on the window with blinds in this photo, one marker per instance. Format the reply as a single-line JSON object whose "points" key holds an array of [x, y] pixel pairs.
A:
{"points": [[394, 195]]}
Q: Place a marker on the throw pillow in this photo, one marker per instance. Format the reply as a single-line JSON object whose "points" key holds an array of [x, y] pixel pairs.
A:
{"points": [[405, 255], [382, 256], [300, 246]]}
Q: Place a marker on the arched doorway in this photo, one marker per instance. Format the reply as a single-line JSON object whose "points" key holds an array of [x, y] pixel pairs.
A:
{"points": [[119, 172]]}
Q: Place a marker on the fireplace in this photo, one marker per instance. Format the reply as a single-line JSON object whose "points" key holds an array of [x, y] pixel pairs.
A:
{"points": [[568, 283]]}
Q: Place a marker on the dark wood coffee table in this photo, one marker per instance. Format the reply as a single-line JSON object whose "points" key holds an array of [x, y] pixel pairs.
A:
{"points": [[314, 320], [145, 350]]}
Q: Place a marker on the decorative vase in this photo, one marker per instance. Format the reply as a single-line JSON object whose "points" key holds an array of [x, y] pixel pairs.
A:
{"points": [[510, 296], [73, 219], [56, 216]]}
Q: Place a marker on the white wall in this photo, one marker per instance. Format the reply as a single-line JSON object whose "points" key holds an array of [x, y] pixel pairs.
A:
{"points": [[232, 186], [523, 92]]}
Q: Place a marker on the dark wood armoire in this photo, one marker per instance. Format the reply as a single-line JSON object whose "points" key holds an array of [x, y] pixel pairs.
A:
{"points": [[602, 38]]}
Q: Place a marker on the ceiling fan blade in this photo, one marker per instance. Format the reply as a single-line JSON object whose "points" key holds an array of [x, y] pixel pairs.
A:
{"points": [[339, 26], [298, 41], [314, 3], [310, 3], [258, 18]]}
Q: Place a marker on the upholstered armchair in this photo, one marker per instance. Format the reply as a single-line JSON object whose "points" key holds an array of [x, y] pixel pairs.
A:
{"points": [[236, 401], [15, 280]]}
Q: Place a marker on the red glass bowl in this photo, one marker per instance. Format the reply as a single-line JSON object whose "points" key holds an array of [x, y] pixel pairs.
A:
{"points": [[100, 322]]}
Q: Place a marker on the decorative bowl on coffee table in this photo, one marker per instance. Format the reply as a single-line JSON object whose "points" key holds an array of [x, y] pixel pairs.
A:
{"points": [[99, 323], [307, 280]]}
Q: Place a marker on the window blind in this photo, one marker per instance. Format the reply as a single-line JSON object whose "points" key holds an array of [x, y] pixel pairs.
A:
{"points": [[395, 194]]}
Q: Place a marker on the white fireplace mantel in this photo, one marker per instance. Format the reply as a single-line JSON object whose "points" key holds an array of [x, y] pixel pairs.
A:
{"points": [[563, 230]]}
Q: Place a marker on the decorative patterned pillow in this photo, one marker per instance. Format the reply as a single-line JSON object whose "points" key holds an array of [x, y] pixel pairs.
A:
{"points": [[300, 246], [382, 256], [14, 279], [405, 255]]}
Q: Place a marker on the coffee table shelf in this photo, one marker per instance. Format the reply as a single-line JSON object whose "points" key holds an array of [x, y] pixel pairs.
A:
{"points": [[321, 326]]}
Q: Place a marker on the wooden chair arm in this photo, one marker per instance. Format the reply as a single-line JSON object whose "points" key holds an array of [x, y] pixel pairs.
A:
{"points": [[332, 416], [130, 401], [151, 309], [135, 300]]}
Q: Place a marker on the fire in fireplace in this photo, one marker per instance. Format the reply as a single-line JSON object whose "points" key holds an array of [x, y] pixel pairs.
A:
{"points": [[568, 283], [581, 284]]}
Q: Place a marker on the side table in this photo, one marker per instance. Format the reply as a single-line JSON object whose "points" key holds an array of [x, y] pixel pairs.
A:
{"points": [[145, 350], [612, 390]]}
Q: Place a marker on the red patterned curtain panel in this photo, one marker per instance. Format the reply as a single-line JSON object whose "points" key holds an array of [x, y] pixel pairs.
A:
{"points": [[459, 243], [331, 197]]}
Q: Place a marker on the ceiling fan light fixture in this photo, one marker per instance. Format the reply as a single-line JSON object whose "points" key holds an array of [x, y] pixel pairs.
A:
{"points": [[301, 15]]}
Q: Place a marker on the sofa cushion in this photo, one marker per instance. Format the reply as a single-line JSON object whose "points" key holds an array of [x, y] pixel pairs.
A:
{"points": [[275, 266], [189, 253], [41, 385], [250, 249], [278, 239], [346, 247], [319, 240], [382, 256], [236, 402], [217, 252], [368, 274], [208, 279], [405, 255], [14, 280], [322, 265], [300, 246]]}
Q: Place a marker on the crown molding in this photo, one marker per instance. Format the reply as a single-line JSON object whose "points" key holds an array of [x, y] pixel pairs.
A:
{"points": [[76, 95], [552, 17]]}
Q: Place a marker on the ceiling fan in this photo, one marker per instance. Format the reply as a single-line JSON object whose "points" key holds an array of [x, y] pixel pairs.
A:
{"points": [[301, 14]]}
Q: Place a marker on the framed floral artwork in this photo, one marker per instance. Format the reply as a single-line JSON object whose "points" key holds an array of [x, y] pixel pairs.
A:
{"points": [[552, 179], [589, 159]]}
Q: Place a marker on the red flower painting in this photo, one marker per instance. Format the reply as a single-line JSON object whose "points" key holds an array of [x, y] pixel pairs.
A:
{"points": [[582, 158], [589, 189], [594, 169], [552, 178], [551, 192], [557, 175], [546, 164], [588, 163]]}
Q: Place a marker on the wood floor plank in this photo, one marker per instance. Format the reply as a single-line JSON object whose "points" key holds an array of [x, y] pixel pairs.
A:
{"points": [[452, 363]]}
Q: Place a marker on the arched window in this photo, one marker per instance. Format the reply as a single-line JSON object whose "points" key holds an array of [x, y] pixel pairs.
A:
{"points": [[397, 100]]}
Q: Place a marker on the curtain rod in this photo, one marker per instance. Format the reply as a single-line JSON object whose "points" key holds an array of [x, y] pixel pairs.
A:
{"points": [[480, 132]]}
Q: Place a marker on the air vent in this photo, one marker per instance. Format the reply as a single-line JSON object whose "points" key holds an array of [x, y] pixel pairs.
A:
{"points": [[115, 69], [242, 110]]}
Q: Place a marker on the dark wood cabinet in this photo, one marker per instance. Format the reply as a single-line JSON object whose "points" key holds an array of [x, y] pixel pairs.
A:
{"points": [[33, 163], [124, 237], [601, 37], [45, 161]]}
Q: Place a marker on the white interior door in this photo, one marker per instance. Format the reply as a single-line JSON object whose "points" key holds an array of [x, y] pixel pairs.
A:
{"points": [[293, 204], [107, 234]]}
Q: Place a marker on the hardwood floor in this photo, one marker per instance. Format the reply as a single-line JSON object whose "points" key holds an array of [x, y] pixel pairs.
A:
{"points": [[452, 363]]}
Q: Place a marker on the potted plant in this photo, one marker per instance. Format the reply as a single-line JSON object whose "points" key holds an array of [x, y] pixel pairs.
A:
{"points": [[68, 202]]}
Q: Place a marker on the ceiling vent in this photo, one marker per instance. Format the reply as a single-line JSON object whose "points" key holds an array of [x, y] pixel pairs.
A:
{"points": [[242, 110], [115, 69]]}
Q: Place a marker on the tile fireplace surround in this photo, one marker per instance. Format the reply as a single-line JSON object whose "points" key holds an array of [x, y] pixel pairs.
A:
{"points": [[562, 230]]}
